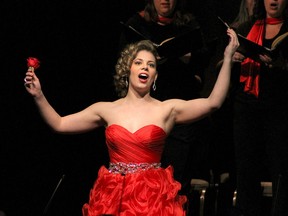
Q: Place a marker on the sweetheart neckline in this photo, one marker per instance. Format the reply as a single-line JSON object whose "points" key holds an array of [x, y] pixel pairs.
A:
{"points": [[137, 129]]}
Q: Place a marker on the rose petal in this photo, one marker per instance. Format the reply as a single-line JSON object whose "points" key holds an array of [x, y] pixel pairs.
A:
{"points": [[33, 62]]}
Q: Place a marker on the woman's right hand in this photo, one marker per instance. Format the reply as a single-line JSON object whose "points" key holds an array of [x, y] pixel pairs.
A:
{"points": [[233, 44], [32, 83]]}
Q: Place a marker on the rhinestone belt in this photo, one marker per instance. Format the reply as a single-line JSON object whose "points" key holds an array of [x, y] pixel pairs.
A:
{"points": [[125, 168]]}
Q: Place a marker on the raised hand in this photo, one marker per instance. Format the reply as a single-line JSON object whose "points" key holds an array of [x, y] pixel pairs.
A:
{"points": [[32, 83]]}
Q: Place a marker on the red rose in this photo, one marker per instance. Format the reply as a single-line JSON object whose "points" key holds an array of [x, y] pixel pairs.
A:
{"points": [[33, 62]]}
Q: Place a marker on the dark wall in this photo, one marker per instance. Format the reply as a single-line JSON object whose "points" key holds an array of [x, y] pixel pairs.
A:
{"points": [[77, 43]]}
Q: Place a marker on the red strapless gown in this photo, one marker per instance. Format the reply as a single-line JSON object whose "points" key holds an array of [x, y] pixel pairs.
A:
{"points": [[152, 192]]}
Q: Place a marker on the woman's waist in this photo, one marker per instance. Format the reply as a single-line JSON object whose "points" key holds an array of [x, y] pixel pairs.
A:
{"points": [[131, 167]]}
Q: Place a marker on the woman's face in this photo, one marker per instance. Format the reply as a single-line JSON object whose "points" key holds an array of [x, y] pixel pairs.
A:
{"points": [[274, 8], [143, 71], [165, 8]]}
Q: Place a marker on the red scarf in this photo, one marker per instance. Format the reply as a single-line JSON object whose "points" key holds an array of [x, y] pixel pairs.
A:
{"points": [[250, 69], [165, 20]]}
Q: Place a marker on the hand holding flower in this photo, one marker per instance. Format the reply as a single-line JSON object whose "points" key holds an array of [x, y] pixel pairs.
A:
{"points": [[32, 83]]}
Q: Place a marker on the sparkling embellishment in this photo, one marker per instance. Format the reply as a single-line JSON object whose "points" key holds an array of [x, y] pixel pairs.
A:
{"points": [[125, 168]]}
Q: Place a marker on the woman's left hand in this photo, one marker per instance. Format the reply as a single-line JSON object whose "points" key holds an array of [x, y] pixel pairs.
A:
{"points": [[277, 63]]}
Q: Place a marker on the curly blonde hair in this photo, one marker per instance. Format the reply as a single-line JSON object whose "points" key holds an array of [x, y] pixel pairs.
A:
{"points": [[124, 63]]}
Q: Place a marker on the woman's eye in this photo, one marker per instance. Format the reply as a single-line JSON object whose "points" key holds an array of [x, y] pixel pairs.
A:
{"points": [[152, 65]]}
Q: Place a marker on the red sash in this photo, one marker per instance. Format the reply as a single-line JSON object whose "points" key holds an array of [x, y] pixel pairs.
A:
{"points": [[250, 69]]}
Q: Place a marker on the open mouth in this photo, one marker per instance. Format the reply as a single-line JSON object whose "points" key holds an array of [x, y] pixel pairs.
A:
{"points": [[166, 5], [143, 76], [273, 5]]}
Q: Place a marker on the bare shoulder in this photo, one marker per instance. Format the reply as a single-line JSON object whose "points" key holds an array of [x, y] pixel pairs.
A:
{"points": [[168, 107], [172, 102], [104, 105], [102, 111], [179, 105]]}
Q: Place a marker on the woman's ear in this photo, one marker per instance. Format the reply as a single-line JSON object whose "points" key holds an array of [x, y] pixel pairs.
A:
{"points": [[156, 76]]}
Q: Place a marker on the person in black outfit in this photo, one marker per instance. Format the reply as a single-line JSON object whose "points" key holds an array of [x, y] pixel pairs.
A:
{"points": [[260, 113]]}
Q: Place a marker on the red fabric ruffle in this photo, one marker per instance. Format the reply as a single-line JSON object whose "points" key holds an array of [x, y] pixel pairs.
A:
{"points": [[147, 193]]}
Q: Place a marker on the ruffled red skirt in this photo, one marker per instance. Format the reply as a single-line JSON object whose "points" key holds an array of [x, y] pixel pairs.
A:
{"points": [[153, 192]]}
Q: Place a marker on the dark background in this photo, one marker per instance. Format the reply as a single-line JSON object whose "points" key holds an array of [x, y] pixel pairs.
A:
{"points": [[77, 44]]}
